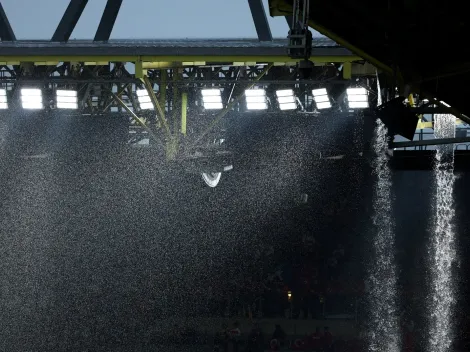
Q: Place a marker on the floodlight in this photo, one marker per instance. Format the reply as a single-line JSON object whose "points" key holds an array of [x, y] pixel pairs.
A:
{"points": [[357, 98], [286, 99], [31, 98], [143, 97], [67, 99], [3, 99], [322, 100], [256, 99], [212, 99]]}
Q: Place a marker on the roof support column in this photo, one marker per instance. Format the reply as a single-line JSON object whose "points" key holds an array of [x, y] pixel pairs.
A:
{"points": [[106, 25], [6, 32], [69, 20], [260, 20]]}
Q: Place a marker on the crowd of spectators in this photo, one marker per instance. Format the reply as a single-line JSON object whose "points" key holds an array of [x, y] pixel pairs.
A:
{"points": [[231, 339], [300, 286]]}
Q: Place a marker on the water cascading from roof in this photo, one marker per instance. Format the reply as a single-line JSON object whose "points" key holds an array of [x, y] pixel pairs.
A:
{"points": [[382, 278], [442, 252]]}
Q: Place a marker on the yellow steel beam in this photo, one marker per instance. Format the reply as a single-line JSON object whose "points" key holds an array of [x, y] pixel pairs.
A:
{"points": [[158, 64], [119, 93], [175, 102], [136, 118], [354, 49], [162, 90], [347, 73], [148, 61], [422, 125], [156, 104], [230, 105], [139, 69], [184, 107]]}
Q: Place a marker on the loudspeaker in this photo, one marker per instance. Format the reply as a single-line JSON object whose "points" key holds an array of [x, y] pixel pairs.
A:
{"points": [[398, 118]]}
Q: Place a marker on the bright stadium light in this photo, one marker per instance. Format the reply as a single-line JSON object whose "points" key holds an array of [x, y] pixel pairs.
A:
{"points": [[357, 98], [256, 99], [31, 98], [212, 99], [67, 99], [322, 100], [286, 99], [3, 99], [143, 97]]}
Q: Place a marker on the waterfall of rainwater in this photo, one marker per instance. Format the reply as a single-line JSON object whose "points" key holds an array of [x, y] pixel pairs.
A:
{"points": [[442, 251], [382, 292]]}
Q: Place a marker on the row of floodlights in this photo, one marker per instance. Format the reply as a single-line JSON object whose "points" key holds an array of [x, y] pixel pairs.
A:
{"points": [[357, 98], [32, 99], [256, 99]]}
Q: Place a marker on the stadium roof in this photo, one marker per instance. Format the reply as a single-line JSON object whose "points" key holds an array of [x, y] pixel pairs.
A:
{"points": [[184, 47], [424, 39]]}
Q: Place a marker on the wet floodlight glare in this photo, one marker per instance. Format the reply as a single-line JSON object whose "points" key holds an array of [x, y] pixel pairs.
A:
{"points": [[286, 99], [357, 98], [31, 98], [143, 97], [322, 100], [211, 99], [67, 99], [3, 99], [256, 99]]}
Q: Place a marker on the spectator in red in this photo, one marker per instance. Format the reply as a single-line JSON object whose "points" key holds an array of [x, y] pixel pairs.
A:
{"points": [[408, 340], [327, 339], [234, 338]]}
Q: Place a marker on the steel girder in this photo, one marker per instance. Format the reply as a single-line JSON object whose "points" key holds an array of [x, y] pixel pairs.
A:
{"points": [[79, 72], [260, 20], [106, 25], [6, 32], [69, 20]]}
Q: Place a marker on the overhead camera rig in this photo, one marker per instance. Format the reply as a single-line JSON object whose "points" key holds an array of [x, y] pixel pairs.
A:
{"points": [[300, 37]]}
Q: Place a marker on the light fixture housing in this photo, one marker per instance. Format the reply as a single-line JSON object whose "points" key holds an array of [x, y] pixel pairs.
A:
{"points": [[212, 99], [256, 99], [357, 98], [31, 99], [145, 103], [67, 99], [3, 99], [321, 98], [286, 99]]}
